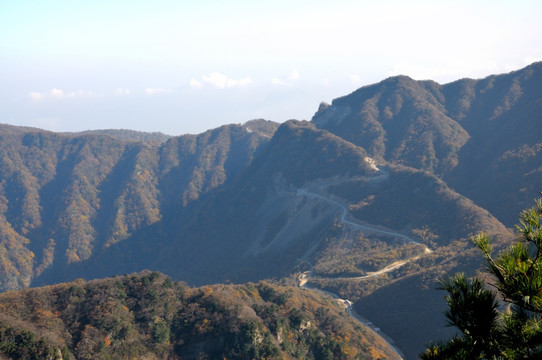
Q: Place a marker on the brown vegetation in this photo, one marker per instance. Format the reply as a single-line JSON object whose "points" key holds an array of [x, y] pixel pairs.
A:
{"points": [[148, 316]]}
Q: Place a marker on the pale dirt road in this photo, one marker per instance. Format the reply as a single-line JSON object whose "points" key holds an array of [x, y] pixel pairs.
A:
{"points": [[362, 227], [303, 278]]}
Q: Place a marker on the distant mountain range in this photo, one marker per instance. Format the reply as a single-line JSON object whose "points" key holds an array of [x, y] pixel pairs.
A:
{"points": [[400, 172]]}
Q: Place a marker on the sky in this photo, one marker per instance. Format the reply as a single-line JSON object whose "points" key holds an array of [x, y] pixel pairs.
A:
{"points": [[188, 66]]}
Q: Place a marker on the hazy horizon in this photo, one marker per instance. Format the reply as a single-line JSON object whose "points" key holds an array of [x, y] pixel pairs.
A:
{"points": [[180, 67]]}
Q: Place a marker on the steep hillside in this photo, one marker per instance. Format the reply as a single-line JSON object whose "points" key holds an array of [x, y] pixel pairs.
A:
{"points": [[259, 226], [192, 165], [480, 136], [216, 239], [342, 218], [147, 316], [62, 198], [499, 168], [285, 210], [308, 200], [398, 120]]}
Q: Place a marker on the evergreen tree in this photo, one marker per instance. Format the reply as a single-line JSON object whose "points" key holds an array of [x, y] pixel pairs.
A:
{"points": [[516, 273]]}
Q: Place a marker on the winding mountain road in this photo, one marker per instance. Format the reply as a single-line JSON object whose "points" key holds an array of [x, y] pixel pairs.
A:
{"points": [[304, 277], [353, 314], [365, 228]]}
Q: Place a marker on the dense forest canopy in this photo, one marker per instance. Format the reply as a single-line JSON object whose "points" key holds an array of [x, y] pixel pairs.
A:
{"points": [[149, 316]]}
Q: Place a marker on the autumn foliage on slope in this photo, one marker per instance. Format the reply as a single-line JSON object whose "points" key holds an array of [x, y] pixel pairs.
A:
{"points": [[147, 315]]}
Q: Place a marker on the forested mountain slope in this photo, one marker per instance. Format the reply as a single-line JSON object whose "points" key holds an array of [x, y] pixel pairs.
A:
{"points": [[275, 216], [339, 216], [374, 199], [147, 316], [63, 197], [480, 136]]}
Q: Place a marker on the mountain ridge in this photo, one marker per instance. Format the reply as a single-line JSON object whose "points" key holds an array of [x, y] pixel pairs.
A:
{"points": [[415, 159], [459, 114]]}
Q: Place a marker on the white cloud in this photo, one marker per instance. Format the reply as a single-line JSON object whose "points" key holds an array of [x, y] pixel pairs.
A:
{"points": [[59, 94], [286, 80], [221, 81], [242, 82], [294, 75], [156, 91], [77, 94], [122, 91], [36, 96], [218, 80], [277, 81], [195, 83]]}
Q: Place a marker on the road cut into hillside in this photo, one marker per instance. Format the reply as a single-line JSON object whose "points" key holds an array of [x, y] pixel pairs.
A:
{"points": [[302, 280], [366, 228]]}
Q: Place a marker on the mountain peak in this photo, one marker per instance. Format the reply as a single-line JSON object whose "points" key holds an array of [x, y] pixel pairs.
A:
{"points": [[263, 127]]}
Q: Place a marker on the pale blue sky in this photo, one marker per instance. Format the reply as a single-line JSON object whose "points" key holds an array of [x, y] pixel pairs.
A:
{"points": [[185, 66]]}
